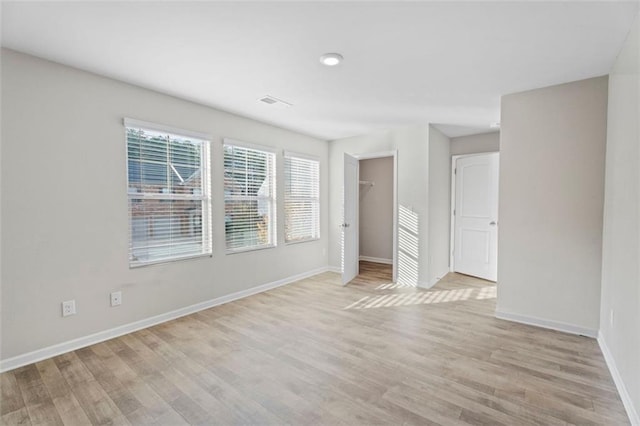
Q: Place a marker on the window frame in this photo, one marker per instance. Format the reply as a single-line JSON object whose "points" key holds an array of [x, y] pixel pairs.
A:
{"points": [[204, 198], [308, 157], [273, 200]]}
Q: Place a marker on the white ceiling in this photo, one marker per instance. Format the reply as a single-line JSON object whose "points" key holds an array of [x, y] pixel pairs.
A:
{"points": [[405, 62]]}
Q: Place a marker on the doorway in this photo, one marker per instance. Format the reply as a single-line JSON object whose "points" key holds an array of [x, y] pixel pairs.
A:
{"points": [[375, 219], [369, 229], [474, 215]]}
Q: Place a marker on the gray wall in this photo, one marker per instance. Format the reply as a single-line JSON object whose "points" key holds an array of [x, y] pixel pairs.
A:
{"points": [[376, 208], [552, 151], [621, 235], [439, 204], [473, 144], [64, 206], [412, 147]]}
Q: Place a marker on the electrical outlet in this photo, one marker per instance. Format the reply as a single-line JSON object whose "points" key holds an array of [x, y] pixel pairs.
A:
{"points": [[68, 308], [116, 298], [611, 318]]}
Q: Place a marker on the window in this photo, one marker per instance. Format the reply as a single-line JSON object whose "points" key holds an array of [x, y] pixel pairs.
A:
{"points": [[169, 198], [249, 197], [301, 198]]}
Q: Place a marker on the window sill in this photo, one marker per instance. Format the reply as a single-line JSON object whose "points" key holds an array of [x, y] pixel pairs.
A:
{"points": [[247, 249], [290, 243], [163, 261]]}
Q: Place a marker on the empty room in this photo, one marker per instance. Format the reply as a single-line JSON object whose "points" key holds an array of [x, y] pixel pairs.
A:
{"points": [[320, 213]]}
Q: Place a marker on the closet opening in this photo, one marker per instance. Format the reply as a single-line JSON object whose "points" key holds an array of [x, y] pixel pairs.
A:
{"points": [[376, 214]]}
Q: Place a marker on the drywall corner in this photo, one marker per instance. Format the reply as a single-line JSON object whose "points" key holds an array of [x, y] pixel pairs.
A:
{"points": [[620, 297]]}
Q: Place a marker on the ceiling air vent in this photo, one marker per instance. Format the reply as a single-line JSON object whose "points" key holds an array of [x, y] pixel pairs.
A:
{"points": [[270, 100]]}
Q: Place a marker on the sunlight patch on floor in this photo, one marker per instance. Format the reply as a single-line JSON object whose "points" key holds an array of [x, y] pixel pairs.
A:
{"points": [[393, 286], [424, 298]]}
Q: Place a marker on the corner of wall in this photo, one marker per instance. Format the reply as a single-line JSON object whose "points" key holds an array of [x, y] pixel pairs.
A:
{"points": [[627, 401], [618, 338]]}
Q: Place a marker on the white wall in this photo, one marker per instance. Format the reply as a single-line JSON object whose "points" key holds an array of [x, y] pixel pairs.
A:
{"points": [[376, 208], [64, 206], [439, 204], [412, 147], [473, 144], [621, 235], [552, 150]]}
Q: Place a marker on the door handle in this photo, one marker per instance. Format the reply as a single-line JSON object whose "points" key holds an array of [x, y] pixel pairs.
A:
{"points": [[345, 225], [493, 223]]}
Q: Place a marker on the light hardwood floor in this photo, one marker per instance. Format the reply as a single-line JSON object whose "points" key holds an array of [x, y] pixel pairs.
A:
{"points": [[314, 352]]}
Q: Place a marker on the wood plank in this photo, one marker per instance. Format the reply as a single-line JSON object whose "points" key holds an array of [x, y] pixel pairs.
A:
{"points": [[11, 396], [93, 399], [37, 400], [16, 417], [65, 401]]}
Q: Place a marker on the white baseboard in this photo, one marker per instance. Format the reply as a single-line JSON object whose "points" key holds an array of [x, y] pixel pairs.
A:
{"points": [[101, 336], [423, 284], [438, 277], [553, 325], [377, 260], [617, 379], [336, 269]]}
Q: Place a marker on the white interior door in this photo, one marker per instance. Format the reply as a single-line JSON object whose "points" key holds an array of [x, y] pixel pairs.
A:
{"points": [[350, 250], [476, 216]]}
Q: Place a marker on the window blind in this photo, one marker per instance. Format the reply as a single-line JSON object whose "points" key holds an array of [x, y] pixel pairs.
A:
{"points": [[301, 198], [169, 197], [249, 198]]}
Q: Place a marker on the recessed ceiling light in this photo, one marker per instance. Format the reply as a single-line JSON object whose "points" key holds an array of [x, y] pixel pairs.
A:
{"points": [[495, 125], [331, 59]]}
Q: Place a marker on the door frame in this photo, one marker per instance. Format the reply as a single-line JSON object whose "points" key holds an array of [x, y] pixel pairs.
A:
{"points": [[354, 224], [394, 155], [452, 231]]}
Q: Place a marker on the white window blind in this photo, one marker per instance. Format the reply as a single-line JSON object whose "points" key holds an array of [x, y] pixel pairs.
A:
{"points": [[249, 197], [169, 197], [301, 198]]}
